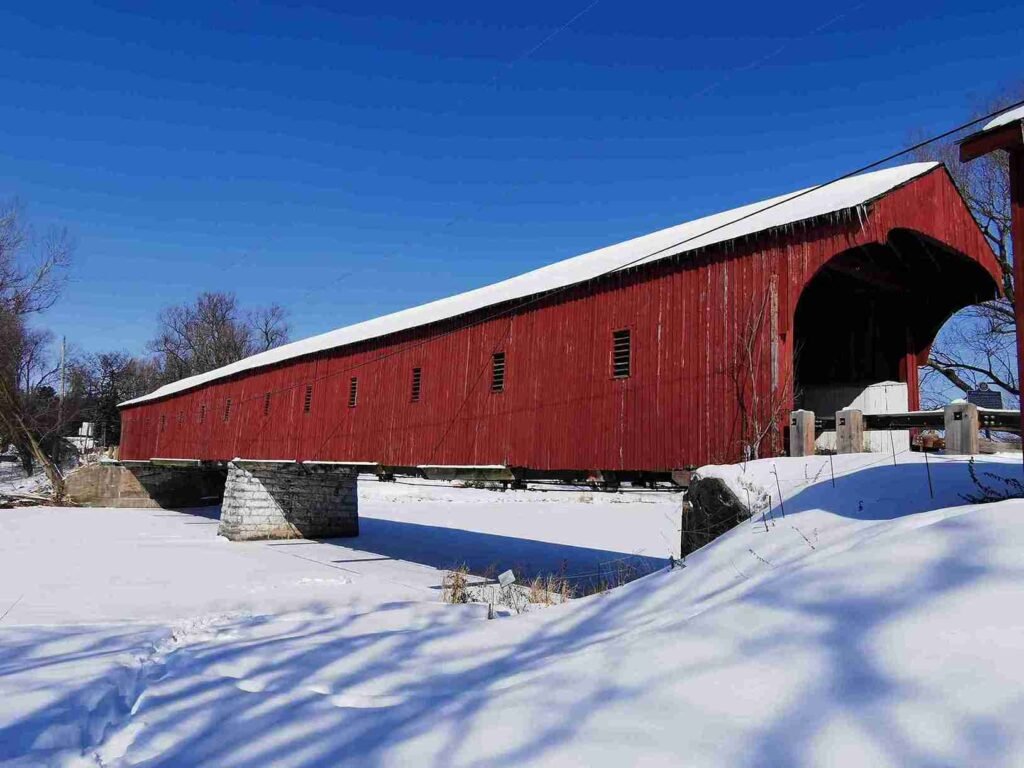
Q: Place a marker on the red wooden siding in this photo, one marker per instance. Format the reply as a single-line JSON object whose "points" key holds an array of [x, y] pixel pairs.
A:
{"points": [[561, 407]]}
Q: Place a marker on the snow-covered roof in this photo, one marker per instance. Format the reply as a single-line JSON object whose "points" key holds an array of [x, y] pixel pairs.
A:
{"points": [[1005, 118], [721, 227]]}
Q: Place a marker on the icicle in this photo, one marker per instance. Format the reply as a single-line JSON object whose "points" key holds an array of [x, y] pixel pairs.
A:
{"points": [[862, 217]]}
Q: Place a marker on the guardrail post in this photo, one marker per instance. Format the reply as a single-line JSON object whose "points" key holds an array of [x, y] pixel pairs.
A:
{"points": [[849, 431], [961, 421], [801, 433]]}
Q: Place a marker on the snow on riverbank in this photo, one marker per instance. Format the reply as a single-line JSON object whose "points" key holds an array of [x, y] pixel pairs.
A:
{"points": [[873, 625], [532, 532], [13, 480]]}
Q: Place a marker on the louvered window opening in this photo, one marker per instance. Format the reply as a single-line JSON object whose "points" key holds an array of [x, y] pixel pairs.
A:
{"points": [[417, 379], [621, 354], [498, 372], [621, 368], [353, 392]]}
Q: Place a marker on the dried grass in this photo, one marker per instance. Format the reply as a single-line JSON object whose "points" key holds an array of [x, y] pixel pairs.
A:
{"points": [[455, 586]]}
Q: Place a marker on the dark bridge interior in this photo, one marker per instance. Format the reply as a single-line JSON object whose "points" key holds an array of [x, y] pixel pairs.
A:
{"points": [[872, 312]]}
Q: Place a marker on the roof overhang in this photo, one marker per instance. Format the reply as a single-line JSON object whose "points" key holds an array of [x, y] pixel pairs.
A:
{"points": [[1004, 132]]}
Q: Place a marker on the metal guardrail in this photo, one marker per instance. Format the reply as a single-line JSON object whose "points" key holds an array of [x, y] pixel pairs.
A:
{"points": [[962, 424], [1000, 421]]}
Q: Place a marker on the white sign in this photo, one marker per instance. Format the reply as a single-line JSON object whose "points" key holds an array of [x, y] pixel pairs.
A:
{"points": [[506, 578]]}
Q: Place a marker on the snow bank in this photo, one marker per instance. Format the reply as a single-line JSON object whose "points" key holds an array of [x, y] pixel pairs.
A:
{"points": [[562, 530], [870, 625], [64, 687], [13, 480]]}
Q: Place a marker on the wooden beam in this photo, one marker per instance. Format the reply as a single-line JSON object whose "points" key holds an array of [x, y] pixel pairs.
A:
{"points": [[497, 472], [870, 274], [1007, 137], [1017, 239], [180, 463]]}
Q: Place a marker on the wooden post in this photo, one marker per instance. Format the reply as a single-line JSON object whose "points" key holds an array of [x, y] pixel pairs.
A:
{"points": [[1017, 238], [1006, 132], [849, 431], [961, 429], [908, 372], [801, 433]]}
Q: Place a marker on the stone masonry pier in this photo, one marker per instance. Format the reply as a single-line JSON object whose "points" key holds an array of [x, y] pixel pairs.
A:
{"points": [[288, 500]]}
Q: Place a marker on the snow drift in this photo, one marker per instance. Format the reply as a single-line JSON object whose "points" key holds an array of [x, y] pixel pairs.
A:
{"points": [[872, 622]]}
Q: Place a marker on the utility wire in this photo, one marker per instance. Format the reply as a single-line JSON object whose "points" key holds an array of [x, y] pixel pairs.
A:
{"points": [[515, 306], [527, 53], [651, 255]]}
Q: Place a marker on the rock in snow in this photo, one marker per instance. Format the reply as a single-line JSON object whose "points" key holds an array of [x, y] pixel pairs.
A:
{"points": [[873, 622]]}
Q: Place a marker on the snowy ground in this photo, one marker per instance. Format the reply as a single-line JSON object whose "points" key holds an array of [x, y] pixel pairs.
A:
{"points": [[12, 479], [564, 530], [872, 625]]}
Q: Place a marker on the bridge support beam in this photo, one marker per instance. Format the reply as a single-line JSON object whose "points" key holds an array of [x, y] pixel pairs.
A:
{"points": [[289, 500]]}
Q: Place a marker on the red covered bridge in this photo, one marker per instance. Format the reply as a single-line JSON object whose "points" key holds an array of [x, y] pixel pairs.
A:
{"points": [[682, 347]]}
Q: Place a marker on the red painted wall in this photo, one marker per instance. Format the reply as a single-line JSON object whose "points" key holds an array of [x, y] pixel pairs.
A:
{"points": [[561, 408]]}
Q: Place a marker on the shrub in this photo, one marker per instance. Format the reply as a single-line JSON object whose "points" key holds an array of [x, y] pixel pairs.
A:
{"points": [[995, 488]]}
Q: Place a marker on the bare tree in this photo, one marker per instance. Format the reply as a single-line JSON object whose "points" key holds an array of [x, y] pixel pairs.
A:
{"points": [[269, 326], [761, 406], [212, 332], [32, 273], [100, 381], [979, 344], [30, 414], [32, 265], [30, 352]]}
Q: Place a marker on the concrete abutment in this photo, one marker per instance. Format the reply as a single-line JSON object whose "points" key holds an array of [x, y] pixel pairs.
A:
{"points": [[259, 499], [146, 486]]}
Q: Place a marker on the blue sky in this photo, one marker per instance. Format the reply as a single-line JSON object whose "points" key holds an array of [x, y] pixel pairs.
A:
{"points": [[350, 162]]}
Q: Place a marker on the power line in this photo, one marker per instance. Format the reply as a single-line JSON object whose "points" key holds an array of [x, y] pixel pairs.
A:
{"points": [[517, 306], [525, 54]]}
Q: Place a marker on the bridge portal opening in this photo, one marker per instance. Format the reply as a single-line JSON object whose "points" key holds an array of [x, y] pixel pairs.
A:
{"points": [[870, 315]]}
